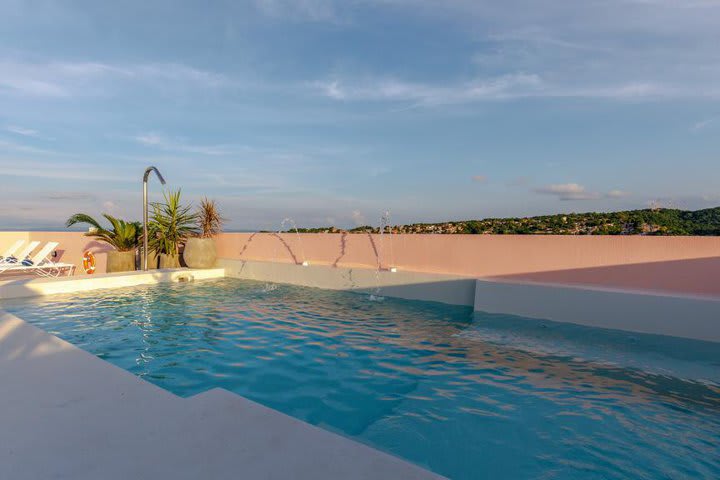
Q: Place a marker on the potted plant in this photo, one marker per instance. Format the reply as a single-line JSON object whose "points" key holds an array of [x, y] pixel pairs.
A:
{"points": [[170, 226], [200, 251], [123, 236]]}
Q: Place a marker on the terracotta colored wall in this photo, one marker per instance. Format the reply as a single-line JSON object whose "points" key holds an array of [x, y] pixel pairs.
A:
{"points": [[669, 264]]}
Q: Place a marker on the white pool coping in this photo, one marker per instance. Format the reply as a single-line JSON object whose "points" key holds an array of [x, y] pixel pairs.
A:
{"points": [[67, 414], [30, 287]]}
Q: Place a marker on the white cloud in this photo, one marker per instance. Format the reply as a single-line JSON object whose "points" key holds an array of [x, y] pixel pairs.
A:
{"points": [[68, 79], [703, 124], [18, 147], [505, 87], [575, 191], [26, 132], [358, 218], [652, 50], [617, 194], [24, 167], [314, 10], [111, 207], [568, 191], [151, 139]]}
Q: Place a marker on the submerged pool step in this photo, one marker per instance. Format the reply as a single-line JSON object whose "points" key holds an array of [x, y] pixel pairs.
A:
{"points": [[68, 414], [696, 318]]}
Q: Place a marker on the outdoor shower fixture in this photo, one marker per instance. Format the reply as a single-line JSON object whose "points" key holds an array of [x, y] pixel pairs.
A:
{"points": [[145, 213]]}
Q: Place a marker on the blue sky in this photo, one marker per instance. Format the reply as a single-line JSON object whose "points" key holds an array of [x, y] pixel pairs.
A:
{"points": [[334, 111]]}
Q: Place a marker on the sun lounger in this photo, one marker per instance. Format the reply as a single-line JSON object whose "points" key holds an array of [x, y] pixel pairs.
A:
{"points": [[13, 261], [41, 264], [11, 250]]}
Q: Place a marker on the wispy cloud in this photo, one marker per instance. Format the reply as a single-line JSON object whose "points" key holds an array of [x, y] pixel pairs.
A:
{"points": [[314, 10], [358, 218], [155, 140], [22, 148], [26, 132], [69, 171], [568, 191], [67, 79], [703, 124], [655, 50], [68, 196], [575, 191], [617, 194], [505, 87]]}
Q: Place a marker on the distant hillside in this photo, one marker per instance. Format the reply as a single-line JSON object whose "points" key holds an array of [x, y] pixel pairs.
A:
{"points": [[661, 221]]}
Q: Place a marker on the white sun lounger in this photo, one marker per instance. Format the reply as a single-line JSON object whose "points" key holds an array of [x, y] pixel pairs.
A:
{"points": [[41, 264], [11, 250], [22, 255]]}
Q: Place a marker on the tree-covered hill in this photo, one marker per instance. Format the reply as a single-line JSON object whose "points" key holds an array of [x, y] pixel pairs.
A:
{"points": [[660, 221]]}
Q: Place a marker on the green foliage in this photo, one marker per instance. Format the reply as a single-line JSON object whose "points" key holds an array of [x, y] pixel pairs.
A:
{"points": [[363, 229], [658, 221], [632, 222], [209, 219], [170, 225], [123, 236]]}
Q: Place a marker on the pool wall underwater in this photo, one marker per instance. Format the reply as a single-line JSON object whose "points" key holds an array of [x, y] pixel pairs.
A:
{"points": [[686, 316]]}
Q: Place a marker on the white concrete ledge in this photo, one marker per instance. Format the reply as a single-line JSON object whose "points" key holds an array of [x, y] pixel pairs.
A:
{"points": [[679, 316], [30, 287], [66, 414]]}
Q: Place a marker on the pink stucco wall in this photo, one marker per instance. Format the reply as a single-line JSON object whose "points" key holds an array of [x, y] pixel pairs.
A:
{"points": [[688, 265], [669, 264]]}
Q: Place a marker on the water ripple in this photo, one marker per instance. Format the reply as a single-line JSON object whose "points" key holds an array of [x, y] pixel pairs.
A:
{"points": [[466, 395]]}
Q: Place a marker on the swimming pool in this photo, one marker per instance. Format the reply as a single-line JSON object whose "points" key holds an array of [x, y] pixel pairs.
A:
{"points": [[465, 395]]}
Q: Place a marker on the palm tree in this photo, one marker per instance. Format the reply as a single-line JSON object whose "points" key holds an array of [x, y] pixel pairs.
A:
{"points": [[209, 219], [171, 225], [123, 236]]}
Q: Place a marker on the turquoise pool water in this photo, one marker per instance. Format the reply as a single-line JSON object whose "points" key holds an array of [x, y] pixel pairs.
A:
{"points": [[465, 395]]}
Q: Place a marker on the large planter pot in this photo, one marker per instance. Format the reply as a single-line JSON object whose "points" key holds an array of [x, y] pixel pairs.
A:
{"points": [[169, 261], [153, 261], [200, 253], [120, 261]]}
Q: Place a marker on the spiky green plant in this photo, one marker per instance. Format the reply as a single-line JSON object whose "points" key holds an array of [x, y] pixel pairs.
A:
{"points": [[123, 236], [171, 224], [209, 219]]}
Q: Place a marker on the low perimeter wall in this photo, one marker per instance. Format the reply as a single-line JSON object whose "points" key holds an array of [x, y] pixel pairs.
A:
{"points": [[681, 265]]}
